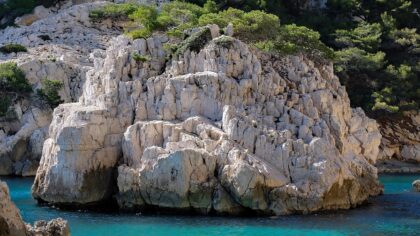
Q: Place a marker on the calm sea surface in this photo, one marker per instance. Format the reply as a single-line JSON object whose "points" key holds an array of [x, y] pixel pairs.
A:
{"points": [[397, 212]]}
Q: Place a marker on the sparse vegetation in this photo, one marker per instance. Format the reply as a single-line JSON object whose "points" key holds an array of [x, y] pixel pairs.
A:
{"points": [[293, 39], [195, 42], [12, 79], [114, 11], [49, 92], [5, 103], [12, 47], [140, 58]]}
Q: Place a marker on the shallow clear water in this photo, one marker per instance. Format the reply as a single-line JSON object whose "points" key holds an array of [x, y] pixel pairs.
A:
{"points": [[395, 213]]}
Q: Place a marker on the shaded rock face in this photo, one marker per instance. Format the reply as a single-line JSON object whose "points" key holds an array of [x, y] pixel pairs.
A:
{"points": [[220, 129], [416, 185], [59, 45], [400, 144], [11, 222]]}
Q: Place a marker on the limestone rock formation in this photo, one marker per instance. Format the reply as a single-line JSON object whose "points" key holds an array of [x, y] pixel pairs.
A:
{"points": [[58, 45], [55, 227], [11, 222], [217, 129], [400, 144]]}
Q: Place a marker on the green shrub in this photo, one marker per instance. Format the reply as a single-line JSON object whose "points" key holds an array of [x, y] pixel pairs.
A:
{"points": [[146, 18], [224, 41], [355, 59], [49, 92], [248, 26], [195, 42], [5, 103], [113, 11], [293, 39], [140, 58], [9, 48], [365, 36], [12, 79]]}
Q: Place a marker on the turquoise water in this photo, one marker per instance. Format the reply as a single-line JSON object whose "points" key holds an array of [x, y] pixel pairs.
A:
{"points": [[397, 212]]}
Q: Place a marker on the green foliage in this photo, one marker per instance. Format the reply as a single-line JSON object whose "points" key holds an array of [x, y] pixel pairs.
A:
{"points": [[12, 79], [12, 47], [113, 11], [195, 42], [139, 58], [176, 17], [224, 41], [210, 6], [355, 59], [294, 39], [365, 36], [248, 26], [49, 92], [5, 104]]}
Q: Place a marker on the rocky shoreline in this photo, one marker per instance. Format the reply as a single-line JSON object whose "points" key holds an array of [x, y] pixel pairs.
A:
{"points": [[11, 222]]}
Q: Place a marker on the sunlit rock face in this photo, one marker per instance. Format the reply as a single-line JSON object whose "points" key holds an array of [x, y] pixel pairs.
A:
{"points": [[218, 129], [59, 44]]}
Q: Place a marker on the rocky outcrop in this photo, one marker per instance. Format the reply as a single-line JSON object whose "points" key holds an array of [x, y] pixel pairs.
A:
{"points": [[400, 144], [55, 227], [11, 222], [58, 48], [416, 185], [220, 128]]}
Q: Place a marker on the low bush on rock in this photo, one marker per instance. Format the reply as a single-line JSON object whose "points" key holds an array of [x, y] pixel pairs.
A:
{"points": [[12, 79], [195, 42], [114, 11], [140, 58], [293, 39], [13, 47], [49, 92]]}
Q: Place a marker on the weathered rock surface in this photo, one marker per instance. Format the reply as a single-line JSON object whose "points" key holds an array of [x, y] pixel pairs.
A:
{"points": [[221, 129], [59, 45], [400, 144], [11, 222], [55, 227]]}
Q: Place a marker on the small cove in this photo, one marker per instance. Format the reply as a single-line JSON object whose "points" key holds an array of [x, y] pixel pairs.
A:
{"points": [[397, 212]]}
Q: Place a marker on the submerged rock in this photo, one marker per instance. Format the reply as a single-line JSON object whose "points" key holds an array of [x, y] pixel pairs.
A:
{"points": [[11, 222], [221, 128]]}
